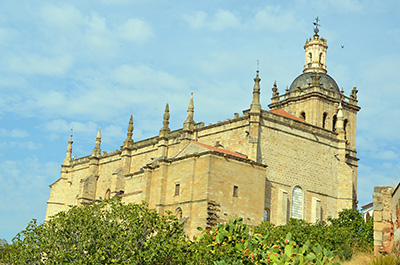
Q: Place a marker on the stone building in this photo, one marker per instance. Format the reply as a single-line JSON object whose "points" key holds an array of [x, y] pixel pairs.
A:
{"points": [[296, 160]]}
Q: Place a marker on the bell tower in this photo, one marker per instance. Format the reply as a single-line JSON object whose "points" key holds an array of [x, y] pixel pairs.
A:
{"points": [[314, 96]]}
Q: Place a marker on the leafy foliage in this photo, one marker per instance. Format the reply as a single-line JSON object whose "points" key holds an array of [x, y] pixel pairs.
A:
{"points": [[343, 235], [112, 232], [105, 233]]}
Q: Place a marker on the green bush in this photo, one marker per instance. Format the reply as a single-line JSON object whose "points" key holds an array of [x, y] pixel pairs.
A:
{"points": [[105, 233], [343, 235]]}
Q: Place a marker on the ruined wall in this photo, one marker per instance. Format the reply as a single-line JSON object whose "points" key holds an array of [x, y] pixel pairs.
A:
{"points": [[383, 226]]}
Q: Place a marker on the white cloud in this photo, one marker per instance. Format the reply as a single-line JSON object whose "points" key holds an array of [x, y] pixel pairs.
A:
{"points": [[64, 17], [24, 145], [135, 30], [276, 19], [38, 64], [62, 126], [221, 20], [13, 133]]}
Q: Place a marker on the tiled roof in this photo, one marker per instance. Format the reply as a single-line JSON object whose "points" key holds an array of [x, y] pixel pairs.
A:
{"points": [[286, 114], [220, 150]]}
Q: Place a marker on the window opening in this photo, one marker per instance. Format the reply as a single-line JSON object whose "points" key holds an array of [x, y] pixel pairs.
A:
{"points": [[303, 116], [235, 191], [334, 123], [324, 119], [177, 189]]}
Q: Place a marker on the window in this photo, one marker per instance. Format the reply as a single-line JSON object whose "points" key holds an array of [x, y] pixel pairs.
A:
{"points": [[178, 213], [235, 191], [267, 216], [177, 189], [107, 196], [345, 127], [324, 119], [297, 203], [334, 123], [303, 115]]}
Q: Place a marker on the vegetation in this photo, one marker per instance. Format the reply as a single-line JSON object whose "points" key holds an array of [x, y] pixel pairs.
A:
{"points": [[386, 260], [112, 232]]}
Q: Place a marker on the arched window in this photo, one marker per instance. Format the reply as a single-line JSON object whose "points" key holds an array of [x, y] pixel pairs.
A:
{"points": [[107, 196], [345, 127], [267, 215], [297, 203], [334, 123], [324, 119], [310, 57], [320, 58], [178, 213], [303, 115]]}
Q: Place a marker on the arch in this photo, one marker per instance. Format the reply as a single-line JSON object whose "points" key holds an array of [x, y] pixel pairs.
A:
{"points": [[310, 57], [320, 58], [303, 116], [324, 119], [334, 119], [107, 196], [345, 127], [267, 215], [178, 213], [297, 203]]}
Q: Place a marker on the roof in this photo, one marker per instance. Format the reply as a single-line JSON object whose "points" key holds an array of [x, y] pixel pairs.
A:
{"points": [[220, 150], [367, 205], [304, 80], [286, 114]]}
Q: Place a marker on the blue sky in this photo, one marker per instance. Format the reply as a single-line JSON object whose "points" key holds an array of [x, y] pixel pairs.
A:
{"points": [[80, 65]]}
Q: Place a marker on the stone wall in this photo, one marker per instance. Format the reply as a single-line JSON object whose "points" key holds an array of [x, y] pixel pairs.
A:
{"points": [[383, 225]]}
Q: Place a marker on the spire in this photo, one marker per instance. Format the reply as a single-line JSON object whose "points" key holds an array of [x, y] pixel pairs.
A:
{"points": [[275, 92], [97, 151], [165, 129], [128, 143], [69, 151], [188, 125], [255, 104]]}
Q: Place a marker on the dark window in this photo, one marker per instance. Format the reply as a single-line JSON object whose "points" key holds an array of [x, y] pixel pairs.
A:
{"points": [[303, 116], [334, 123], [235, 191], [324, 119], [108, 192], [345, 125], [177, 189]]}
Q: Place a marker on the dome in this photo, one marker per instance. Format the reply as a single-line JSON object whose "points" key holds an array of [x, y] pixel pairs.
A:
{"points": [[304, 81]]}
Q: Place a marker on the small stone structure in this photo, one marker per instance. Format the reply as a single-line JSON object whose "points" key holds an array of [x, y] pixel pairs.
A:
{"points": [[386, 220]]}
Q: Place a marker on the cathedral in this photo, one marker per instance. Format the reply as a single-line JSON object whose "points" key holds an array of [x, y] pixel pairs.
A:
{"points": [[296, 159]]}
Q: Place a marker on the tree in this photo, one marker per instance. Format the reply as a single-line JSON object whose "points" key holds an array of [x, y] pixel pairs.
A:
{"points": [[105, 233]]}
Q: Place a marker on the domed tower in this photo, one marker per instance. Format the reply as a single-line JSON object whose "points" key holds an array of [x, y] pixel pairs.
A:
{"points": [[314, 96]]}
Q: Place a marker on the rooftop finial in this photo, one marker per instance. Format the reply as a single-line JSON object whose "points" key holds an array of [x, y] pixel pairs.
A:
{"points": [[97, 151], [188, 125], [69, 151], [316, 24], [165, 129], [129, 141]]}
